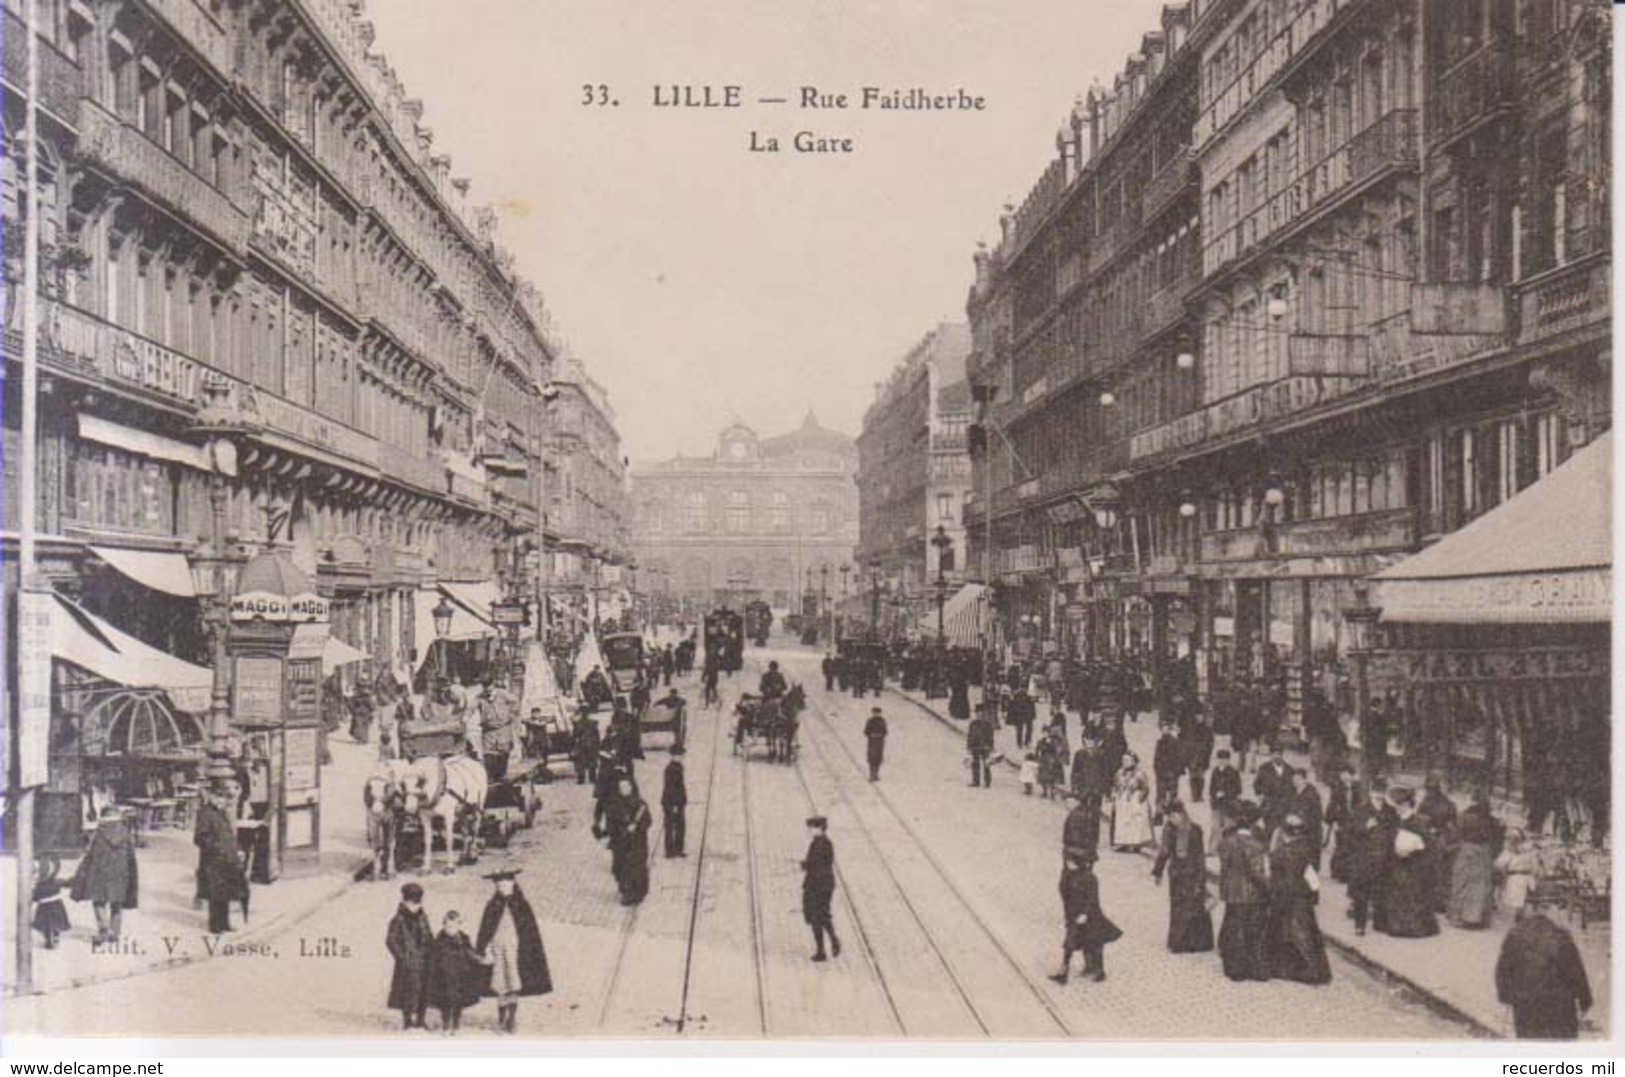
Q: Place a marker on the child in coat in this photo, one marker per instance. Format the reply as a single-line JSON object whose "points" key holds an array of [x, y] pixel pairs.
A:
{"points": [[456, 973], [50, 912], [1029, 772]]}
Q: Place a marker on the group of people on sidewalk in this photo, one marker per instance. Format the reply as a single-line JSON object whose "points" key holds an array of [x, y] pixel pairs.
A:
{"points": [[506, 960]]}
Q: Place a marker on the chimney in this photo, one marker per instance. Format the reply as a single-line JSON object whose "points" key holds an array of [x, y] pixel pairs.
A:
{"points": [[983, 277], [1066, 151], [1007, 220], [1096, 105]]}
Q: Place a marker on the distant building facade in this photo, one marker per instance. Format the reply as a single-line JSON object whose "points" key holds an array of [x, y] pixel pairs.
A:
{"points": [[759, 518], [913, 468], [586, 499]]}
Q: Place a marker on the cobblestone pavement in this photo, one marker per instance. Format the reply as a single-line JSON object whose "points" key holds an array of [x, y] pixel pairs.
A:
{"points": [[946, 908]]}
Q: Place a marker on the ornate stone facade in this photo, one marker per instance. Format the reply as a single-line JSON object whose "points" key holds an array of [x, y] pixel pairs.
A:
{"points": [[750, 521]]}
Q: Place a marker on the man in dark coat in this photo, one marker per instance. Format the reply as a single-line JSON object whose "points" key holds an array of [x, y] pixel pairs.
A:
{"points": [[773, 685], [629, 845], [1087, 926], [1196, 740], [456, 977], [1092, 775], [1182, 855], [1371, 827], [1167, 764], [668, 665], [1224, 787], [220, 876], [1296, 949], [1272, 785], [512, 943], [979, 743], [107, 876], [1341, 800], [874, 731], [818, 888], [584, 746], [626, 731], [828, 669], [1244, 889], [1021, 714], [408, 942], [1539, 974], [674, 804], [606, 791]]}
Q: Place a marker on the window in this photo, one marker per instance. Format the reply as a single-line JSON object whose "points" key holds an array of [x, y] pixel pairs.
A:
{"points": [[1469, 474], [820, 519], [945, 508], [1507, 461], [114, 489], [1548, 444], [779, 512], [738, 512]]}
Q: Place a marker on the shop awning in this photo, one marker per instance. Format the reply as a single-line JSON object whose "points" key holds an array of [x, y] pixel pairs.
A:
{"points": [[87, 641], [312, 640], [164, 572], [964, 617], [1544, 557], [464, 625], [476, 598], [143, 442]]}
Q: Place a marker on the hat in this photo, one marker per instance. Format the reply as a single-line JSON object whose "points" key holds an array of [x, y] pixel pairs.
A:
{"points": [[1071, 794], [677, 749], [506, 873], [1294, 821], [874, 710], [412, 892], [1224, 753], [817, 820], [1246, 812]]}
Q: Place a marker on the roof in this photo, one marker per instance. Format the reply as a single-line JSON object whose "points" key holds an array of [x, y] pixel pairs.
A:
{"points": [[809, 437], [1543, 557]]}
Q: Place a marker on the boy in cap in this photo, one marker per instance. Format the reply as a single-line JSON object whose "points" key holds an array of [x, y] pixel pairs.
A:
{"points": [[818, 888], [408, 941]]}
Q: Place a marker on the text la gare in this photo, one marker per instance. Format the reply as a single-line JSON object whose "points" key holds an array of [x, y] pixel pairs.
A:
{"points": [[803, 142]]}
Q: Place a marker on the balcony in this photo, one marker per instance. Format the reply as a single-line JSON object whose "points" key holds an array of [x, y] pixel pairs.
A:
{"points": [[79, 342], [414, 469], [59, 78], [1471, 93], [1166, 307], [200, 30], [1256, 406], [125, 153], [1110, 242], [1449, 324], [1387, 145], [1264, 66], [1246, 544], [1368, 532], [1174, 179], [1572, 297], [1335, 355]]}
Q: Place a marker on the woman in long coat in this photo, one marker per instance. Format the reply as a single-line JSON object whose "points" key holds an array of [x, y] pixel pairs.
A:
{"points": [[1296, 949], [1182, 856], [629, 839], [510, 940], [1088, 928], [1407, 885], [1131, 807], [1051, 762], [107, 876], [408, 942], [1472, 877], [1244, 888]]}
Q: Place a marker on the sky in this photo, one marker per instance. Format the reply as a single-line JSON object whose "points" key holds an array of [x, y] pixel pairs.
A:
{"points": [[701, 282]]}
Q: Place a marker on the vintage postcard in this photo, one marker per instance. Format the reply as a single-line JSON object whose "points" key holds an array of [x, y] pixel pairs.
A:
{"points": [[867, 519]]}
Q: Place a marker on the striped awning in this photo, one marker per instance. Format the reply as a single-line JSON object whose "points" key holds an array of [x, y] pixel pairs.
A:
{"points": [[965, 617]]}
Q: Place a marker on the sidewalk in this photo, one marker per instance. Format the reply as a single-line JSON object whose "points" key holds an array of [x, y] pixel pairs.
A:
{"points": [[167, 865], [1454, 971]]}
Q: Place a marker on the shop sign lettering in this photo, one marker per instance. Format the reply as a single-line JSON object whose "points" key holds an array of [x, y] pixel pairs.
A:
{"points": [[1468, 666]]}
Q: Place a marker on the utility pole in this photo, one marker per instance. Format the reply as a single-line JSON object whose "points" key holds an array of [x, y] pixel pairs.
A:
{"points": [[34, 674]]}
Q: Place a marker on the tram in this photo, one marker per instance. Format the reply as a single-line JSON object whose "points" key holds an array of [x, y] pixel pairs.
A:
{"points": [[725, 640], [758, 622]]}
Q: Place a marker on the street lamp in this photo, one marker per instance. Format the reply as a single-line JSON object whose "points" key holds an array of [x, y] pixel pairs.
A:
{"points": [[823, 601], [874, 602], [944, 546], [442, 613], [211, 572]]}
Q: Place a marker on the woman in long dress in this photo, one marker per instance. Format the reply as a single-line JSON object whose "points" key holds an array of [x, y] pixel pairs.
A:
{"points": [[1407, 887], [1131, 807], [1183, 857], [1296, 949], [1472, 878], [512, 943]]}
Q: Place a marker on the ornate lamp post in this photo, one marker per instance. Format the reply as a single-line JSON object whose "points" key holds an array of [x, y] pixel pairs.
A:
{"points": [[823, 601], [214, 574], [874, 600], [944, 547], [442, 613]]}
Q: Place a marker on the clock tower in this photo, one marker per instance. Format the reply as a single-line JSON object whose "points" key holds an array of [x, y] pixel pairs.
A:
{"points": [[739, 445]]}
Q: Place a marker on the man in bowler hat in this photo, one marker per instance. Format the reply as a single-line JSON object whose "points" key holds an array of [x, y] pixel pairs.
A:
{"points": [[674, 804], [818, 888]]}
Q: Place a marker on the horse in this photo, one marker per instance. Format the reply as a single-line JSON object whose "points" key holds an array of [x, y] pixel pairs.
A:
{"points": [[448, 790], [384, 795], [782, 732]]}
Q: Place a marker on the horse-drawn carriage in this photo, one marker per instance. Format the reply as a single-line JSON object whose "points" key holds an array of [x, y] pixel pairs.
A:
{"points": [[623, 659], [770, 723], [758, 621], [667, 715]]}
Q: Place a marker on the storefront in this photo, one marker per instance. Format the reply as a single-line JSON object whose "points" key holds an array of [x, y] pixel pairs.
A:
{"points": [[1491, 654]]}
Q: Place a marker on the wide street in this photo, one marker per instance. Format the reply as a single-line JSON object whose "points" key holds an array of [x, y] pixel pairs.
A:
{"points": [[946, 906]]}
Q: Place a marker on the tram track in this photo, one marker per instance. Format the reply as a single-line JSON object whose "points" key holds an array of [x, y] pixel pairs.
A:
{"points": [[951, 888]]}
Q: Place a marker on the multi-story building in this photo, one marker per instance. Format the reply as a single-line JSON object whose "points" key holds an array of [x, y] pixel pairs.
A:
{"points": [[586, 496], [760, 518], [1397, 321], [914, 466], [249, 240]]}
